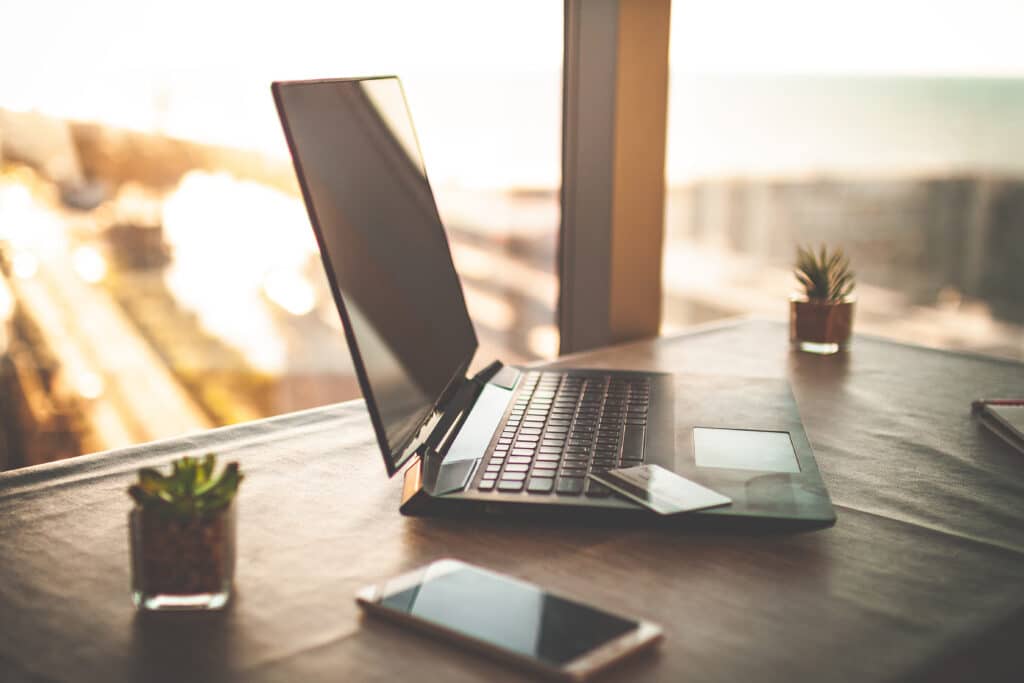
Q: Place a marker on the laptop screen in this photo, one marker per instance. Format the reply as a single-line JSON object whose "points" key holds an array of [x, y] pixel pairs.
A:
{"points": [[383, 247]]}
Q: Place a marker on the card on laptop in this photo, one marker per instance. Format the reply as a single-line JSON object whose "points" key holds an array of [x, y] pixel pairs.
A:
{"points": [[660, 490]]}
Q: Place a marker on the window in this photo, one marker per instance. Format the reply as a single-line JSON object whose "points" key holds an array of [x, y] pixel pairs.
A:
{"points": [[157, 270], [891, 129]]}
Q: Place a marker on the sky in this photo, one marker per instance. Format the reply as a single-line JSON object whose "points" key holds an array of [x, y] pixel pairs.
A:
{"points": [[883, 37], [47, 37], [482, 76]]}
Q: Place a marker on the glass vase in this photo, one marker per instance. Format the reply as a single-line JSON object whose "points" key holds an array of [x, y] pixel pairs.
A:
{"points": [[822, 327], [181, 565]]}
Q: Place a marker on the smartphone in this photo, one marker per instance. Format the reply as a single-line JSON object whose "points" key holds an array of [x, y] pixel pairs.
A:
{"points": [[510, 619]]}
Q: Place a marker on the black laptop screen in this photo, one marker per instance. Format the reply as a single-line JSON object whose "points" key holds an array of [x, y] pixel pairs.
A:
{"points": [[383, 247]]}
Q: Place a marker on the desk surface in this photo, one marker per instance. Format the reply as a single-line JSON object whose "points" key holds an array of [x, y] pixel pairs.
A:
{"points": [[922, 576]]}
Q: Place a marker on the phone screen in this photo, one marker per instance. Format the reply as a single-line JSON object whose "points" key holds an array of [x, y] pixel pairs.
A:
{"points": [[508, 614]]}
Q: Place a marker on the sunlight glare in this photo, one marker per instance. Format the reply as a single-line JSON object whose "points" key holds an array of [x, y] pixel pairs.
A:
{"points": [[25, 265], [543, 340], [227, 234], [291, 291], [90, 264], [89, 385], [7, 302]]}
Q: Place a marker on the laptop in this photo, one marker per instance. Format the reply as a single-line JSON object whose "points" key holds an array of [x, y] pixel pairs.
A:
{"points": [[506, 440]]}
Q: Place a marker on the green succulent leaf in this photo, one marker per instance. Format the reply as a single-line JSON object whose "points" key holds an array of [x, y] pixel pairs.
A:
{"points": [[824, 275], [190, 490], [205, 470], [151, 481]]}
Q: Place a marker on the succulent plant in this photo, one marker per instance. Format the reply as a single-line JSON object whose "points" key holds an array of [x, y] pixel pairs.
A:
{"points": [[825, 276], [191, 491]]}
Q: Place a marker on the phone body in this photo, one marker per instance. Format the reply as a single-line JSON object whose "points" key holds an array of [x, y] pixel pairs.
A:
{"points": [[513, 620]]}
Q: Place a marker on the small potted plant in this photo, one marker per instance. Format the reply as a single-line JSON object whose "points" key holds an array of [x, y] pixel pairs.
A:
{"points": [[182, 535], [821, 317]]}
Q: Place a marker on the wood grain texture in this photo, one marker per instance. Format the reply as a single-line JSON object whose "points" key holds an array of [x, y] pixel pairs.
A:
{"points": [[922, 577]]}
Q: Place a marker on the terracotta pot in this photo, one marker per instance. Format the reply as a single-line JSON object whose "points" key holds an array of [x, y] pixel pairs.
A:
{"points": [[820, 326], [182, 564]]}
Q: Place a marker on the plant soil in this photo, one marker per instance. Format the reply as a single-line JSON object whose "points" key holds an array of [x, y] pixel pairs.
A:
{"points": [[185, 558]]}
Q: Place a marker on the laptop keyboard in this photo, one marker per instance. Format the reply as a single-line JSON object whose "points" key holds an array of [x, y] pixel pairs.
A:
{"points": [[563, 426]]}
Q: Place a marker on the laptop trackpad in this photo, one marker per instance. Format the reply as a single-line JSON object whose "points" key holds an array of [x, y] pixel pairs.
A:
{"points": [[744, 449]]}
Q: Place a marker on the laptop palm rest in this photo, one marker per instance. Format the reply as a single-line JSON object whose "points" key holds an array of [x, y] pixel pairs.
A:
{"points": [[743, 437], [454, 472]]}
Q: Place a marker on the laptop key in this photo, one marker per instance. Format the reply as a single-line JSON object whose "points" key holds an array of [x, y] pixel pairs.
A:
{"points": [[540, 485], [510, 485], [633, 442], [596, 489], [569, 486], [486, 485], [513, 476]]}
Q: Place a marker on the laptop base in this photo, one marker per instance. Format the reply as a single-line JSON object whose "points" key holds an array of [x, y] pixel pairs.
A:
{"points": [[418, 503]]}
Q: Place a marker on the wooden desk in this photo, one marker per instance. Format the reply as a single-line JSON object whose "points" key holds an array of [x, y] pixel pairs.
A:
{"points": [[922, 577]]}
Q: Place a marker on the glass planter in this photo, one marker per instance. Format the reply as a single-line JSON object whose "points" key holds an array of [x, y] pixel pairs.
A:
{"points": [[820, 326], [181, 565]]}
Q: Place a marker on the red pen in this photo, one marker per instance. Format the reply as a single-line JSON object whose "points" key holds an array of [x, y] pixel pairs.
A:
{"points": [[980, 403]]}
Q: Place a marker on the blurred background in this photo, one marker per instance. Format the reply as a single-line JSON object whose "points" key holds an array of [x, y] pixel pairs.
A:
{"points": [[158, 274]]}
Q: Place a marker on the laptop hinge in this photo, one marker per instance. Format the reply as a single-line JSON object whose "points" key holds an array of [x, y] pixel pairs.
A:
{"points": [[440, 477], [458, 408]]}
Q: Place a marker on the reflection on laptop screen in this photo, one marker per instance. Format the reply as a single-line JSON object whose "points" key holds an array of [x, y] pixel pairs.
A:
{"points": [[383, 245]]}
